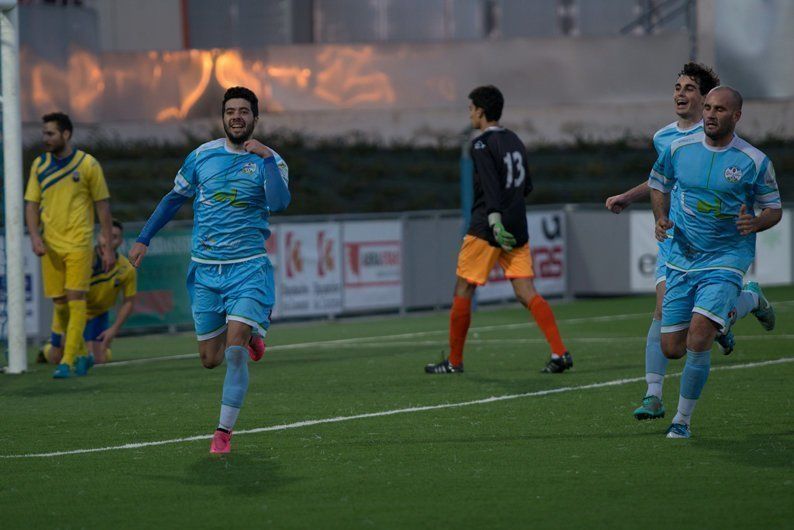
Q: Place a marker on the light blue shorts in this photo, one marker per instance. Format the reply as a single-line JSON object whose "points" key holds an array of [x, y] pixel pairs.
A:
{"points": [[712, 293], [661, 258], [243, 292]]}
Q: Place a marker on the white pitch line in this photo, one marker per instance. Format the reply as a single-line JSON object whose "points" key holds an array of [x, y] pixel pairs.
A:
{"points": [[356, 340], [337, 419], [440, 342], [365, 340]]}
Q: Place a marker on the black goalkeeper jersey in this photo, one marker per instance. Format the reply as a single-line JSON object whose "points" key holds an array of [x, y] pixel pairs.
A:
{"points": [[501, 181]]}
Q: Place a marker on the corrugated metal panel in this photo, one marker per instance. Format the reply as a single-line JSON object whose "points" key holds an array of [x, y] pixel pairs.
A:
{"points": [[239, 23]]}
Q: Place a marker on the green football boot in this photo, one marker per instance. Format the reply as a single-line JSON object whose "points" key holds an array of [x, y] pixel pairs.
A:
{"points": [[651, 409], [765, 313]]}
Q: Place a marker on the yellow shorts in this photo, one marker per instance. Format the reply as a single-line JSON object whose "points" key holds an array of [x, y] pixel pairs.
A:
{"points": [[66, 272], [477, 258]]}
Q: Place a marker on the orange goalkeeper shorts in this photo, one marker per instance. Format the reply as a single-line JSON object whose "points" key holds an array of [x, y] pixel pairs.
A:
{"points": [[477, 258]]}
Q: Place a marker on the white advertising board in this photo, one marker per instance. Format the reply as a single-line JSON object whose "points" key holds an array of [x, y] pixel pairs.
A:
{"points": [[547, 244], [33, 290], [642, 251], [310, 272], [373, 264]]}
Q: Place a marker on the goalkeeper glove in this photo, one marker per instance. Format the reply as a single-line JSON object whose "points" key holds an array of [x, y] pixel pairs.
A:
{"points": [[504, 238]]}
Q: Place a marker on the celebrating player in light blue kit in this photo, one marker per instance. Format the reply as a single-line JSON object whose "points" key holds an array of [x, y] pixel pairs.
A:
{"points": [[235, 183], [720, 179], [689, 93]]}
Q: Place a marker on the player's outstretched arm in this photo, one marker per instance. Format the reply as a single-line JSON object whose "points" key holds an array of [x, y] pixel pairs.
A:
{"points": [[137, 253], [748, 224], [164, 212], [618, 203]]}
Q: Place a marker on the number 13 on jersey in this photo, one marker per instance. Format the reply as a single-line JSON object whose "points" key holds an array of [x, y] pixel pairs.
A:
{"points": [[511, 159]]}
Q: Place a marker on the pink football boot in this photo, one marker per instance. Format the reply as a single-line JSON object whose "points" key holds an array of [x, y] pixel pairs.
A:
{"points": [[256, 348], [221, 442]]}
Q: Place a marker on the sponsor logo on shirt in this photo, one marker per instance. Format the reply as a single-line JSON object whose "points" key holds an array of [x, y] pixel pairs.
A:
{"points": [[733, 174], [479, 144], [230, 197]]}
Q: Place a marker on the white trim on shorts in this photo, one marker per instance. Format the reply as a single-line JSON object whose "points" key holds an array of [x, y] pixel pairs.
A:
{"points": [[258, 329], [226, 262], [711, 316], [715, 268], [211, 334], [675, 327]]}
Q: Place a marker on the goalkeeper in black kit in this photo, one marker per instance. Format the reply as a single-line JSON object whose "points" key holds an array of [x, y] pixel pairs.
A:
{"points": [[497, 232]]}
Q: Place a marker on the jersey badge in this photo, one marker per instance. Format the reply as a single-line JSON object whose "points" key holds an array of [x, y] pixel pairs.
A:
{"points": [[249, 168], [479, 144], [733, 174], [76, 176]]}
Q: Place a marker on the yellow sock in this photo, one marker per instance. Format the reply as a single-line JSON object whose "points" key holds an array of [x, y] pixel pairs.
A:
{"points": [[75, 345], [60, 318]]}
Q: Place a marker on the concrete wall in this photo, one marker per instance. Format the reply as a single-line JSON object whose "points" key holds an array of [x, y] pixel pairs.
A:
{"points": [[558, 89]]}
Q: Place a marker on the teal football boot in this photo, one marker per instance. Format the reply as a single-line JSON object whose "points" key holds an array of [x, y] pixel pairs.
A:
{"points": [[83, 364], [63, 371], [651, 409]]}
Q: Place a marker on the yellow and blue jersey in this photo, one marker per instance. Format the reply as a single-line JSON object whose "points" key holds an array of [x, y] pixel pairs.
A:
{"points": [[234, 193], [713, 185], [106, 286], [66, 190]]}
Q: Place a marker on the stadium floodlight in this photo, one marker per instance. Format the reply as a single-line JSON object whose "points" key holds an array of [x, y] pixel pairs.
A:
{"points": [[12, 153]]}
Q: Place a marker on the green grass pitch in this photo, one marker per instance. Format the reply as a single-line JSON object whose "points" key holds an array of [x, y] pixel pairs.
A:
{"points": [[569, 459]]}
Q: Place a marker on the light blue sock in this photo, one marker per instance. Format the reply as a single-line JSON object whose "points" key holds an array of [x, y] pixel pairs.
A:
{"points": [[693, 379], [746, 302], [236, 383], [655, 361]]}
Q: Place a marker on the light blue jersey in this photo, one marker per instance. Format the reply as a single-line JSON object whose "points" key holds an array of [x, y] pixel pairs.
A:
{"points": [[661, 141], [713, 184], [671, 132], [234, 193]]}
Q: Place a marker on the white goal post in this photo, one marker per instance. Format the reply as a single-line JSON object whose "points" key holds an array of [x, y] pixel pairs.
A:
{"points": [[12, 175]]}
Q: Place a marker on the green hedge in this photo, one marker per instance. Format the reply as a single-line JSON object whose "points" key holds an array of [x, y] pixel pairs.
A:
{"points": [[330, 177]]}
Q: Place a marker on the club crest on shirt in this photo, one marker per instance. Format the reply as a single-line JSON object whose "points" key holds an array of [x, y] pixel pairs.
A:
{"points": [[479, 144], [76, 176], [733, 174], [249, 168]]}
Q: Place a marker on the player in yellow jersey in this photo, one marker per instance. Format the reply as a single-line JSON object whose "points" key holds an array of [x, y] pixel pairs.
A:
{"points": [[65, 188], [102, 296]]}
